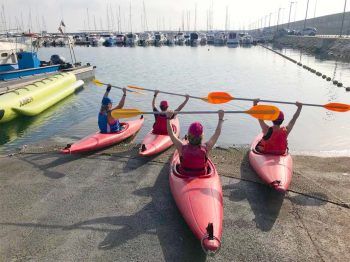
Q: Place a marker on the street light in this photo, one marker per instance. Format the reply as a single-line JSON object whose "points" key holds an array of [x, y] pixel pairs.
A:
{"points": [[307, 8], [278, 17], [315, 9], [290, 9], [342, 22]]}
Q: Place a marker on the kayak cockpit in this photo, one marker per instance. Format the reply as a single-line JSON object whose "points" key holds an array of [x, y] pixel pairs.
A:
{"points": [[177, 173]]}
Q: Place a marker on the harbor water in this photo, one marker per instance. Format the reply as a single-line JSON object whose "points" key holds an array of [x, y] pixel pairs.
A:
{"points": [[252, 72]]}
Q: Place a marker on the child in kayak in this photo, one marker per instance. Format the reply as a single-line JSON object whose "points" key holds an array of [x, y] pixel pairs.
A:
{"points": [[275, 140], [193, 152], [159, 127], [106, 122]]}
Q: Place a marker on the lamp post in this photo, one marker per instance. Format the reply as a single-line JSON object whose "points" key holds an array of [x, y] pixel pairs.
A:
{"points": [[290, 10], [278, 18], [307, 9], [295, 10], [342, 22], [315, 9]]}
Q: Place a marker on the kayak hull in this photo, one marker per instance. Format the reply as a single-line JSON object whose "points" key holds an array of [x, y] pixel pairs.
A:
{"points": [[199, 200], [154, 144], [99, 141], [274, 170]]}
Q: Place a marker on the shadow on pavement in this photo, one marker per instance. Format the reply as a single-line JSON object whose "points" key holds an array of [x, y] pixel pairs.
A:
{"points": [[264, 201], [159, 217]]}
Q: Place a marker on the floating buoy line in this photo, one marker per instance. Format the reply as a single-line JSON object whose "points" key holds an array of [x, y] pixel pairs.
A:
{"points": [[324, 76]]}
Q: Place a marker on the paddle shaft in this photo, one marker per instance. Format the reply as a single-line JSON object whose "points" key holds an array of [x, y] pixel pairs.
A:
{"points": [[118, 87], [170, 93], [274, 101], [211, 112]]}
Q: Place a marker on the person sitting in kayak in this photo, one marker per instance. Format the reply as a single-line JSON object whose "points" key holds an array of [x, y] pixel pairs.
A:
{"points": [[159, 126], [275, 140], [106, 122], [193, 152]]}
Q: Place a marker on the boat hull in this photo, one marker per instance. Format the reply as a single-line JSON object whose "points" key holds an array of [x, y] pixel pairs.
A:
{"points": [[200, 201], [28, 72], [154, 144], [99, 141], [274, 170]]}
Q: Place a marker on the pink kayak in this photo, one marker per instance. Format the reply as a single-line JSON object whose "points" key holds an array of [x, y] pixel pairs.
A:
{"points": [[274, 170], [98, 141], [199, 200], [154, 144]]}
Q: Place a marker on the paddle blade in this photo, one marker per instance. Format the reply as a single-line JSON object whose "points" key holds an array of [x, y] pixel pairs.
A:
{"points": [[338, 107], [219, 97], [125, 113], [136, 87], [264, 112], [97, 82]]}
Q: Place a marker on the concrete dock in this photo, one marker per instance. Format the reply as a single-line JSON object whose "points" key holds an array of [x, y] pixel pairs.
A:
{"points": [[116, 206]]}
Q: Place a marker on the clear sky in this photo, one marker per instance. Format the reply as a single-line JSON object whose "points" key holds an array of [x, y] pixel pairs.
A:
{"points": [[160, 14]]}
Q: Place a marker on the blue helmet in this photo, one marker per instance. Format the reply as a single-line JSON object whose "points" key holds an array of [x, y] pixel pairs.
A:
{"points": [[106, 101]]}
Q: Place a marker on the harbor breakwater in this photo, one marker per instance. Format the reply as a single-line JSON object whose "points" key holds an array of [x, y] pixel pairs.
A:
{"points": [[331, 46]]}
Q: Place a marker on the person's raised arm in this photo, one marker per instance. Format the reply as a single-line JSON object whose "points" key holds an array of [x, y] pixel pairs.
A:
{"points": [[122, 100], [295, 117], [154, 99], [108, 89], [183, 104], [212, 141], [263, 125], [177, 142]]}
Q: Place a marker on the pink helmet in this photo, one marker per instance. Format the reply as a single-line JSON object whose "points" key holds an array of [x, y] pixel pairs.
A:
{"points": [[164, 104], [195, 129], [280, 117]]}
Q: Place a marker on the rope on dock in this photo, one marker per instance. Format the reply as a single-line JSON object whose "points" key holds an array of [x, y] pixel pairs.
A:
{"points": [[335, 82], [219, 156]]}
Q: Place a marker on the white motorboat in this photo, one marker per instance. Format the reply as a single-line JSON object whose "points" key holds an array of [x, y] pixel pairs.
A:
{"points": [[131, 39], [219, 38], [144, 39], [232, 38]]}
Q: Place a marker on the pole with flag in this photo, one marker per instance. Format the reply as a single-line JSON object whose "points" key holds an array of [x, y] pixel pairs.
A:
{"points": [[62, 30]]}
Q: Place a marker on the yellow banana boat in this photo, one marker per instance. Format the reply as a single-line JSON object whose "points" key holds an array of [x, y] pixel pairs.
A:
{"points": [[38, 96], [40, 106]]}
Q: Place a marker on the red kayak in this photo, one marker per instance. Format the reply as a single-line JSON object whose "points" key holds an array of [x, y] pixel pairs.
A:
{"points": [[199, 200], [154, 144], [98, 141], [274, 170]]}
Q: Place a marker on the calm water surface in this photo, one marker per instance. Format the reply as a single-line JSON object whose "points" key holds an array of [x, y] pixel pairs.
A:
{"points": [[244, 72]]}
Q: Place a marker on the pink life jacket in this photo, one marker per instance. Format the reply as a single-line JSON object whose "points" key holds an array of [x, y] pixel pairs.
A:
{"points": [[194, 160], [277, 144], [160, 126]]}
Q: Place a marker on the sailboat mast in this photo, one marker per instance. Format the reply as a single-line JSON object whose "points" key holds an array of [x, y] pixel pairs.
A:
{"points": [[112, 17], [226, 21], [107, 18], [88, 18], [130, 18], [95, 23], [195, 18], [120, 21], [145, 16]]}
